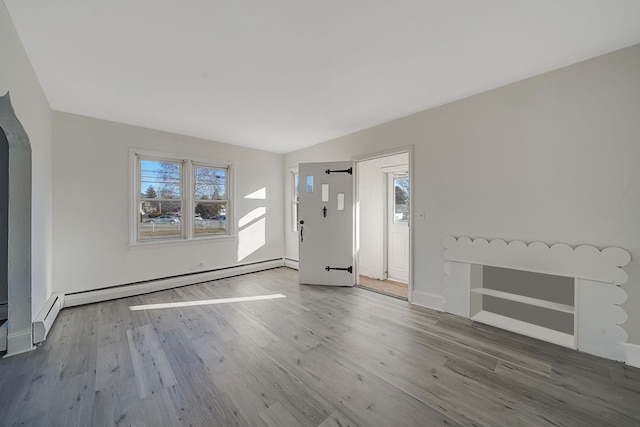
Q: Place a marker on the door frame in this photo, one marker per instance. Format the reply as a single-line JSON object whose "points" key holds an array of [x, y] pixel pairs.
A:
{"points": [[358, 159]]}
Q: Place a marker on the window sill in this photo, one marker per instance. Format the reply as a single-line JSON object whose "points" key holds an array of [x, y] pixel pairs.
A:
{"points": [[181, 242]]}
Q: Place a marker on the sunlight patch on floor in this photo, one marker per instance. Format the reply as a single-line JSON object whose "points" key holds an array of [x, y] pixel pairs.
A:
{"points": [[202, 302]]}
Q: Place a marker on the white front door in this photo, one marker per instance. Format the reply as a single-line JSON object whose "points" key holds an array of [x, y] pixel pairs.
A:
{"points": [[398, 227], [326, 224]]}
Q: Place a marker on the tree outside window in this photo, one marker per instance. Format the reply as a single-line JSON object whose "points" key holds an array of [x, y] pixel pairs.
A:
{"points": [[210, 200]]}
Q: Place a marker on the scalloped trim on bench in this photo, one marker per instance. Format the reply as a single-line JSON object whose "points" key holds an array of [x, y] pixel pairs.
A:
{"points": [[560, 259]]}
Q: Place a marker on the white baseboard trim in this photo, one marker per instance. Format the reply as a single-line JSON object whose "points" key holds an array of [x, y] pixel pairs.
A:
{"points": [[19, 342], [291, 263], [424, 299], [106, 294], [633, 354]]}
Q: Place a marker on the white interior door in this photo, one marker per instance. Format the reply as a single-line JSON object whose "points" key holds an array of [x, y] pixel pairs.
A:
{"points": [[398, 227], [326, 224]]}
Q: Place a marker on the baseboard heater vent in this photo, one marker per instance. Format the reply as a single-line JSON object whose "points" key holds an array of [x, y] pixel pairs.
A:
{"points": [[4, 312], [44, 320], [140, 288]]}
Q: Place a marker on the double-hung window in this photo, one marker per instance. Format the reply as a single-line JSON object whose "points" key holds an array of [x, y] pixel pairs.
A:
{"points": [[179, 199]]}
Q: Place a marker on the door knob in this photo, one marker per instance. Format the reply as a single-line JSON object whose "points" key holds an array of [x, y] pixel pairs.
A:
{"points": [[301, 231]]}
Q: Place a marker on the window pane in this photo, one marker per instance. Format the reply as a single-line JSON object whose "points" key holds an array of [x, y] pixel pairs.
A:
{"points": [[325, 192], [295, 198], [160, 200], [210, 183], [401, 208], [159, 219], [309, 184], [160, 179], [210, 218]]}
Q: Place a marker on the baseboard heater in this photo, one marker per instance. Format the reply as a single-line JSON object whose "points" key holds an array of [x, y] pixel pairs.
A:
{"points": [[123, 291], [291, 263], [4, 328], [4, 312], [43, 322]]}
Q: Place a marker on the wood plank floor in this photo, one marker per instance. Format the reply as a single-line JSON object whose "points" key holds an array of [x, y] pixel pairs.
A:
{"points": [[322, 356]]}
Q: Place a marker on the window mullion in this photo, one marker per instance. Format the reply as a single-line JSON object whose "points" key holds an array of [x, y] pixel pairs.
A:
{"points": [[187, 207], [135, 229]]}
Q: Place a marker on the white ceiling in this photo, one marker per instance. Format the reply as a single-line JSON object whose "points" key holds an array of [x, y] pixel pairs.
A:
{"points": [[280, 75]]}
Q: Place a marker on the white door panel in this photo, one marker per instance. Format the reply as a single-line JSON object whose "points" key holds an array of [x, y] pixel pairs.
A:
{"points": [[398, 228], [399, 247], [326, 218]]}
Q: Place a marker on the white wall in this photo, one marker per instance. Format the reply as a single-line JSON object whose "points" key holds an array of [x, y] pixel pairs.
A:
{"points": [[91, 206], [554, 158], [32, 109]]}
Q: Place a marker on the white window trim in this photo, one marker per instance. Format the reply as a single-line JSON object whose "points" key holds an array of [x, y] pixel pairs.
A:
{"points": [[188, 202], [293, 223]]}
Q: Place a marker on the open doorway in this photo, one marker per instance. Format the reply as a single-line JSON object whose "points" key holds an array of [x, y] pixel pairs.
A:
{"points": [[383, 233]]}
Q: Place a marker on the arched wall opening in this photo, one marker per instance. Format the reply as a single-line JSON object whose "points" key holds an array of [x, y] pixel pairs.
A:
{"points": [[18, 230], [4, 225]]}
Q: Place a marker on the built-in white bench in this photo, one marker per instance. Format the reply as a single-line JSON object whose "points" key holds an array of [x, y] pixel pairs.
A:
{"points": [[596, 276]]}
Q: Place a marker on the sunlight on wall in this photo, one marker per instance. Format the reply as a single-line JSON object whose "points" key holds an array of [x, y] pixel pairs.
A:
{"points": [[252, 216], [260, 194], [252, 234], [251, 239], [202, 302], [252, 227]]}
